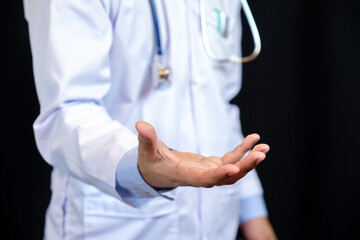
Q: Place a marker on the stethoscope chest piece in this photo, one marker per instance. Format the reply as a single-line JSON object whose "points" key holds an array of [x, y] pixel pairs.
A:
{"points": [[161, 75], [164, 75]]}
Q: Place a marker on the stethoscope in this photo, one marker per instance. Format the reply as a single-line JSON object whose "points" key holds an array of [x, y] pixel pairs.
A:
{"points": [[164, 71]]}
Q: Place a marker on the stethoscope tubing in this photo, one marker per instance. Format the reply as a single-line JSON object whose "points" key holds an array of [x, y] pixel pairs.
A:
{"points": [[205, 38], [232, 58], [157, 29], [164, 71]]}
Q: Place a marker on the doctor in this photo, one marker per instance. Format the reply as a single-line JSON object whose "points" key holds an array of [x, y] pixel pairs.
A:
{"points": [[113, 107]]}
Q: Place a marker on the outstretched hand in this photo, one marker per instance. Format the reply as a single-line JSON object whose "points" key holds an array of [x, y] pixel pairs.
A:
{"points": [[164, 168]]}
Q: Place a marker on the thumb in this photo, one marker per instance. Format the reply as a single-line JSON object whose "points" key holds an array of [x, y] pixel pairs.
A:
{"points": [[147, 135]]}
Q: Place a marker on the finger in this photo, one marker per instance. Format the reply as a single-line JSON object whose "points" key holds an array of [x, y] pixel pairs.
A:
{"points": [[235, 155], [212, 177], [147, 135], [261, 148], [245, 165], [249, 162]]}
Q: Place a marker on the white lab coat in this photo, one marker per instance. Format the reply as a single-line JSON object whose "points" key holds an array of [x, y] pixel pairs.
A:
{"points": [[93, 67]]}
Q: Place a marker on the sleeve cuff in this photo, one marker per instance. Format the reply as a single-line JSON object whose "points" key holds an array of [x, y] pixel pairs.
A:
{"points": [[252, 207], [129, 182]]}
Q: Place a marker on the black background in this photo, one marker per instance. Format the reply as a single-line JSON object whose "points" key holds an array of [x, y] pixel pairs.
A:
{"points": [[302, 95]]}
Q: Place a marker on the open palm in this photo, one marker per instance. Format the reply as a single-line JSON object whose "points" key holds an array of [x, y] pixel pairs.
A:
{"points": [[164, 168]]}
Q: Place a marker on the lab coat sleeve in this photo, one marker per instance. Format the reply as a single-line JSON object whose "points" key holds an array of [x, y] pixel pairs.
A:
{"points": [[70, 43]]}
